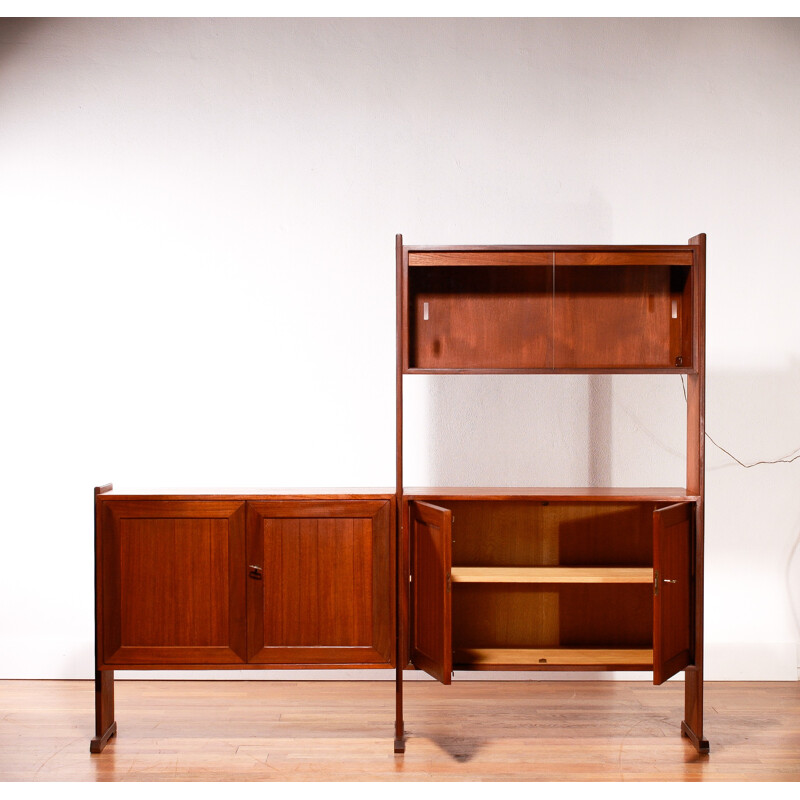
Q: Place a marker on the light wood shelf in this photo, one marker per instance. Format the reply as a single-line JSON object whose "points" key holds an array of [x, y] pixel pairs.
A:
{"points": [[555, 656], [551, 575]]}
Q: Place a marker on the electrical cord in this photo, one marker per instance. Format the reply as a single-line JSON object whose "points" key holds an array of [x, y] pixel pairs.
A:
{"points": [[793, 455]]}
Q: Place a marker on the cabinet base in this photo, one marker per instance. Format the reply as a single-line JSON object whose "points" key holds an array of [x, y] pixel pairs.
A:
{"points": [[99, 742], [701, 745]]}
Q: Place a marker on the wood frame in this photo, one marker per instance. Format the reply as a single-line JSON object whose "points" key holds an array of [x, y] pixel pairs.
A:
{"points": [[664, 289]]}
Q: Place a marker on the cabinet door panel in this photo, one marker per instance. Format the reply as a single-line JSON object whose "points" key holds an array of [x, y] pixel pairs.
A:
{"points": [[325, 596], [474, 315], [612, 316], [431, 561], [173, 582], [672, 601]]}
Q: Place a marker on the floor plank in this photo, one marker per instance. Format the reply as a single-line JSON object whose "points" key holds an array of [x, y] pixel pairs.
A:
{"points": [[342, 731]]}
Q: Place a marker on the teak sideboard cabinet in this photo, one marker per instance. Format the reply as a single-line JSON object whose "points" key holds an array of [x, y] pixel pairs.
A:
{"points": [[529, 578], [443, 578], [240, 581]]}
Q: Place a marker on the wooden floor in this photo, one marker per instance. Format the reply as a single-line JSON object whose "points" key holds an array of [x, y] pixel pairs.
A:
{"points": [[326, 731]]}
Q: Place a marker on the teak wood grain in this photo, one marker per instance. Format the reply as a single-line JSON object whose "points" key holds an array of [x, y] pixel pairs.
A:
{"points": [[608, 316], [593, 494], [552, 575], [481, 310], [695, 482], [173, 587], [623, 257], [485, 258], [567, 658], [672, 564], [323, 597], [483, 317], [431, 559]]}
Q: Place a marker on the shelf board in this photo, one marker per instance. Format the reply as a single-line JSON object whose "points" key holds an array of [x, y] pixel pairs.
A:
{"points": [[605, 658], [688, 370], [551, 574], [600, 494]]}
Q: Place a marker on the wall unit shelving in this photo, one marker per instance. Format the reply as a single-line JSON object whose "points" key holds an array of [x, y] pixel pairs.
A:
{"points": [[594, 578], [442, 578]]}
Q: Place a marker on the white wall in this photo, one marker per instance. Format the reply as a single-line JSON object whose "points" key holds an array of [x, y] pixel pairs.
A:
{"points": [[197, 247]]}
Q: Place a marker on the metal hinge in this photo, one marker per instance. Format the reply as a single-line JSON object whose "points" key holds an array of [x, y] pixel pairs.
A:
{"points": [[448, 583], [655, 583]]}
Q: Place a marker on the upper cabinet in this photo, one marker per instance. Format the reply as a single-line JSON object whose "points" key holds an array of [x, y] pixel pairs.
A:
{"points": [[578, 309]]}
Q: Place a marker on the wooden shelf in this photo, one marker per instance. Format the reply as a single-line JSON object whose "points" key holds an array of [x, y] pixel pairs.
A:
{"points": [[551, 575], [610, 370], [602, 658], [600, 494]]}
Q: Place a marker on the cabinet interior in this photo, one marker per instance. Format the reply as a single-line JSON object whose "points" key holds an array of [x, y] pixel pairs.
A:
{"points": [[541, 584]]}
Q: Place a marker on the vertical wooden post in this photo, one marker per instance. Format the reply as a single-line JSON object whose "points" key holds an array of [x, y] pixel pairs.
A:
{"points": [[400, 622], [692, 725], [105, 726]]}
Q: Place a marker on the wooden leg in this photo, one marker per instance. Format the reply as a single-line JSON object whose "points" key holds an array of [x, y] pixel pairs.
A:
{"points": [[105, 725], [399, 731], [692, 725]]}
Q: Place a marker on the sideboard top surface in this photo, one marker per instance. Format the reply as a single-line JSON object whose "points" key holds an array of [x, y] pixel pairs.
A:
{"points": [[239, 493], [590, 493]]}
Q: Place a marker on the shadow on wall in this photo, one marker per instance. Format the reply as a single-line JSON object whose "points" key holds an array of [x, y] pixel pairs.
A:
{"points": [[792, 581], [14, 34], [753, 513], [620, 430]]}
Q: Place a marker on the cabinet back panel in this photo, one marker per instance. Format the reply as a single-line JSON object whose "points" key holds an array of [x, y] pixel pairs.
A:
{"points": [[606, 615], [520, 534], [502, 534], [525, 616], [504, 615], [487, 317], [604, 535]]}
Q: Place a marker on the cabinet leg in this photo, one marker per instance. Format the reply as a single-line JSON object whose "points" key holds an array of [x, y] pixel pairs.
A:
{"points": [[105, 725], [692, 725], [399, 731]]}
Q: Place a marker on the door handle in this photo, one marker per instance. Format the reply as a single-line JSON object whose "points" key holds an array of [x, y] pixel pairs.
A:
{"points": [[663, 580]]}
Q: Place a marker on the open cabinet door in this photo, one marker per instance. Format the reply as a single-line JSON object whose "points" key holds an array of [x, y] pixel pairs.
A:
{"points": [[672, 601], [431, 605]]}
